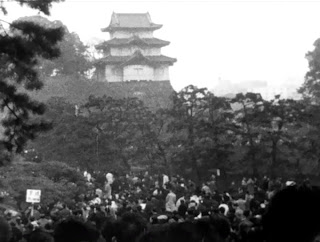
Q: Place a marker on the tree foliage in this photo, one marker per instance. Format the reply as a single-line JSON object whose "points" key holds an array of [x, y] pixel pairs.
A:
{"points": [[198, 133], [107, 133], [20, 49], [311, 86], [201, 132], [43, 6], [248, 117], [309, 136], [73, 58]]}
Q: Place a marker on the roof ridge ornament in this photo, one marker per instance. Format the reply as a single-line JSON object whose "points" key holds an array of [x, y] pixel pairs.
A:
{"points": [[149, 18], [127, 21], [116, 18]]}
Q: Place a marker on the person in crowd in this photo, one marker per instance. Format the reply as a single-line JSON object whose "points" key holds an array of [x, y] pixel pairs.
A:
{"points": [[245, 226], [126, 229], [205, 188], [293, 214], [253, 208], [38, 235], [182, 209], [5, 230], [171, 201], [72, 230], [108, 190]]}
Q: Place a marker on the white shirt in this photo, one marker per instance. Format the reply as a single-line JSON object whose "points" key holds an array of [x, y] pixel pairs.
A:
{"points": [[165, 179]]}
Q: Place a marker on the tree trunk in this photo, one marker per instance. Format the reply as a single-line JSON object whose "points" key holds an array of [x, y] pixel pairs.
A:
{"points": [[126, 163], [97, 150], [195, 169], [192, 155], [168, 165], [273, 158], [253, 157], [165, 159], [254, 165]]}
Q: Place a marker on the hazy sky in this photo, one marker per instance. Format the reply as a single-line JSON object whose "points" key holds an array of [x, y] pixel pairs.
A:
{"points": [[234, 40]]}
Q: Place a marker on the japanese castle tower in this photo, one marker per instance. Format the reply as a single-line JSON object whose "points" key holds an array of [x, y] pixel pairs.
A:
{"points": [[132, 53]]}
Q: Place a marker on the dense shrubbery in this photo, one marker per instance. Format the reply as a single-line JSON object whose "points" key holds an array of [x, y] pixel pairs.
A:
{"points": [[56, 180]]}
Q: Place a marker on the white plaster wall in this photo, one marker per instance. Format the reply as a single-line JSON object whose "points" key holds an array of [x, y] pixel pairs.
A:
{"points": [[138, 72], [124, 51], [127, 51], [152, 51], [145, 34], [161, 73], [120, 34], [128, 34], [113, 74]]}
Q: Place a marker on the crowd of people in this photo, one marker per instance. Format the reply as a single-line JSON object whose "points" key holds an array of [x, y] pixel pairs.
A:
{"points": [[158, 208]]}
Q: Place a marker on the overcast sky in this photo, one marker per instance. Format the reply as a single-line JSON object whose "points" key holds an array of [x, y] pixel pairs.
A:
{"points": [[233, 40]]}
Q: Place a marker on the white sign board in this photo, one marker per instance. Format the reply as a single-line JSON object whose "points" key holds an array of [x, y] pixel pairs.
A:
{"points": [[33, 196]]}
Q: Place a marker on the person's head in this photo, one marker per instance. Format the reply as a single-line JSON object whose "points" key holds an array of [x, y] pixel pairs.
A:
{"points": [[75, 231], [129, 227], [222, 210], [5, 230], [232, 211], [39, 236], [293, 214], [246, 213], [18, 220]]}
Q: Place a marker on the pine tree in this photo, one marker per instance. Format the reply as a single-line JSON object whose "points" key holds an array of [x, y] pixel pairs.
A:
{"points": [[21, 47]]}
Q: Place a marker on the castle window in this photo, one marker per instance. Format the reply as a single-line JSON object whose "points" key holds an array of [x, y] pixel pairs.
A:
{"points": [[138, 70]]}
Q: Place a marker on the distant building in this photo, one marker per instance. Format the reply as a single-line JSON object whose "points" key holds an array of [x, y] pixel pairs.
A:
{"points": [[229, 89], [270, 92], [132, 53]]}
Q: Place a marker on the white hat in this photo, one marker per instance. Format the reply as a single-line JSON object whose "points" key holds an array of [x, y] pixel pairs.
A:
{"points": [[164, 217], [290, 183]]}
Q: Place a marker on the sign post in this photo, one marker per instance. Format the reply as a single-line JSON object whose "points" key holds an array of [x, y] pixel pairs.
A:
{"points": [[33, 196], [32, 210]]}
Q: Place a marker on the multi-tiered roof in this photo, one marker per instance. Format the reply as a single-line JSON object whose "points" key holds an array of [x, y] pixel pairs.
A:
{"points": [[134, 40], [132, 23]]}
